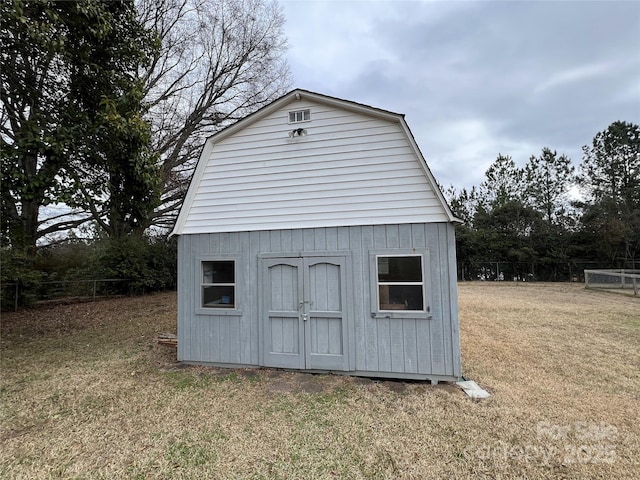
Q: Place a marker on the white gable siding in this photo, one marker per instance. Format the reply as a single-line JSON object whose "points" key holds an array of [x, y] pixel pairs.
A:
{"points": [[350, 169]]}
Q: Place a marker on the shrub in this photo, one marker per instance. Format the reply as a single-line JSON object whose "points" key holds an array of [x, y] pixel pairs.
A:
{"points": [[147, 263], [18, 275]]}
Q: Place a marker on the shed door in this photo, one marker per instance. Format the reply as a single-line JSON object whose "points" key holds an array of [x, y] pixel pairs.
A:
{"points": [[304, 324]]}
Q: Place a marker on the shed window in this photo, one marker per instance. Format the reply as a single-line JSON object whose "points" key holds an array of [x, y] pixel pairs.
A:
{"points": [[218, 284], [299, 116], [400, 282]]}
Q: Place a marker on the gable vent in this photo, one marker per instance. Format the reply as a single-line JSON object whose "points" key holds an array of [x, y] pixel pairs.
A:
{"points": [[300, 116]]}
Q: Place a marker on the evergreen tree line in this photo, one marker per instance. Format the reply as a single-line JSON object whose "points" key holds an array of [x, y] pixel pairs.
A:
{"points": [[549, 220]]}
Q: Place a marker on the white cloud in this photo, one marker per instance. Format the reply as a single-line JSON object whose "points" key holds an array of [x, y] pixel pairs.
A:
{"points": [[461, 161], [330, 41], [476, 78], [575, 75]]}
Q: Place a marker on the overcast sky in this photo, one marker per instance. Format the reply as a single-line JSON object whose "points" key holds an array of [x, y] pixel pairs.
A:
{"points": [[476, 79]]}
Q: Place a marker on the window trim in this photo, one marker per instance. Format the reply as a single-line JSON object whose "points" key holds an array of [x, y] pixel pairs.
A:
{"points": [[306, 112], [199, 284], [376, 311]]}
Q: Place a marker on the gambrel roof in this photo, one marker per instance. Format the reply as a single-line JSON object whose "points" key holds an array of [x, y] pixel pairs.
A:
{"points": [[348, 164]]}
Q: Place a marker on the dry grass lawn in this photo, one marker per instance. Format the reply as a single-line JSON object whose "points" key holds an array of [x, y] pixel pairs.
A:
{"points": [[86, 393]]}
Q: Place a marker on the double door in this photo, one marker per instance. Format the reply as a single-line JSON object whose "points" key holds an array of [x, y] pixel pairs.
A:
{"points": [[303, 321]]}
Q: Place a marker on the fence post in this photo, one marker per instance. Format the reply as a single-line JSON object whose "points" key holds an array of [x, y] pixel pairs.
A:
{"points": [[15, 304], [94, 289]]}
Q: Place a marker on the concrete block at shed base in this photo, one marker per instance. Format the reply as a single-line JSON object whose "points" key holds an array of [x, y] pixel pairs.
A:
{"points": [[472, 389]]}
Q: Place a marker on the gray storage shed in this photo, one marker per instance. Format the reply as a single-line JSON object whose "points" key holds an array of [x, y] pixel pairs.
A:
{"points": [[314, 237]]}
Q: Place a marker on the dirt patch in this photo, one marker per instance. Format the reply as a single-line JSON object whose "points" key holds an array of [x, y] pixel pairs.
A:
{"points": [[285, 381], [71, 317]]}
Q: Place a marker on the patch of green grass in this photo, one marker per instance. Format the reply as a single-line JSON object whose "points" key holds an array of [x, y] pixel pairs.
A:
{"points": [[94, 404], [632, 320], [195, 450], [187, 379], [254, 379], [185, 454], [230, 377], [191, 378], [133, 473]]}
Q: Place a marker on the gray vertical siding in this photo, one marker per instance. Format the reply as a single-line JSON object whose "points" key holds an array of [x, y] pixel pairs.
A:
{"points": [[376, 345]]}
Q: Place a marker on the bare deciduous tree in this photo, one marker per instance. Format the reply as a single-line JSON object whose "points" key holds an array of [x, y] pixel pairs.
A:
{"points": [[219, 60]]}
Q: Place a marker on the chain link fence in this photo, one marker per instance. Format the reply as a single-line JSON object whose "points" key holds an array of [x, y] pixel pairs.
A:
{"points": [[509, 271], [610, 279], [14, 295]]}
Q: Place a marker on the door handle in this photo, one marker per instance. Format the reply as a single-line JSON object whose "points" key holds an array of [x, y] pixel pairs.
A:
{"points": [[305, 317], [301, 304]]}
